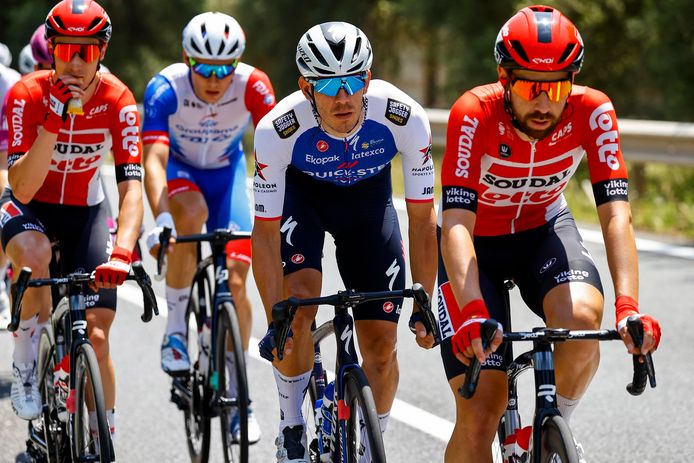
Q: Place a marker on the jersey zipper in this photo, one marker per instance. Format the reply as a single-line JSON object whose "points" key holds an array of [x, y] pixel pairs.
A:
{"points": [[527, 186], [68, 164]]}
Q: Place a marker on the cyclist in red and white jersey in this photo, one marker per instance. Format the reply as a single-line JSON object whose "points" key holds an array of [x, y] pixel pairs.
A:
{"points": [[512, 147], [54, 159]]}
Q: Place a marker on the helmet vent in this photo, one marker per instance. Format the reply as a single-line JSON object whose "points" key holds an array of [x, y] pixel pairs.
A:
{"points": [[518, 48], [544, 26], [195, 46], [59, 22], [357, 49], [355, 67], [94, 23], [338, 49], [567, 52], [325, 71], [316, 52], [78, 6], [203, 30]]}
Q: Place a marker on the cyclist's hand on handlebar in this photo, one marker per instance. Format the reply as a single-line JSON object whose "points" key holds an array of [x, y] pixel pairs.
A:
{"points": [[268, 346], [164, 219], [626, 307], [112, 273], [467, 342], [417, 327]]}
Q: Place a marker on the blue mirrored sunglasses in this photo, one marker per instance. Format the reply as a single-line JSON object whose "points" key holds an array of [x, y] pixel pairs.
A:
{"points": [[219, 70], [331, 86]]}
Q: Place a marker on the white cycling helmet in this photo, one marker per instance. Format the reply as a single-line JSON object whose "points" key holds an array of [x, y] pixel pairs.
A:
{"points": [[215, 36], [333, 49], [26, 60], [5, 55]]}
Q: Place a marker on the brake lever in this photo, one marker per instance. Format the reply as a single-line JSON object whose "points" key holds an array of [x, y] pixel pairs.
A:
{"points": [[423, 301], [164, 238]]}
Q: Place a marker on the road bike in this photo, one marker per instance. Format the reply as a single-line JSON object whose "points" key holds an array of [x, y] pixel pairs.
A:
{"points": [[550, 438], [353, 403], [62, 432], [202, 393]]}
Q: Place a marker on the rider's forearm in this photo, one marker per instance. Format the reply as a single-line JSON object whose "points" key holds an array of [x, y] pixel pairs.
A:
{"points": [[155, 178], [29, 172], [423, 254], [620, 246], [130, 213], [458, 252], [267, 265]]}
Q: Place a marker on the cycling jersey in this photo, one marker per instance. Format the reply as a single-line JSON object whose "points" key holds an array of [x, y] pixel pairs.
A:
{"points": [[110, 123], [515, 185], [290, 136], [8, 77], [204, 135]]}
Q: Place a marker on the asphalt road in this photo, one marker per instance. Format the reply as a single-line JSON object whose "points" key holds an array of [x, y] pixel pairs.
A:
{"points": [[611, 425]]}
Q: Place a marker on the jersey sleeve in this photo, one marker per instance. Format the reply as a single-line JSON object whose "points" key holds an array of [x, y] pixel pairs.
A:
{"points": [[22, 120], [608, 171], [259, 97], [417, 163], [271, 161], [125, 133], [159, 103], [460, 171]]}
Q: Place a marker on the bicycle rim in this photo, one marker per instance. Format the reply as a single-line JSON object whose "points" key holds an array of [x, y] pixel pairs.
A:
{"points": [[557, 442], [235, 448], [88, 445], [362, 415], [195, 417]]}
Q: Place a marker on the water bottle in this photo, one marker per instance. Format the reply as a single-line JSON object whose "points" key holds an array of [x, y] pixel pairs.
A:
{"points": [[327, 423], [204, 341]]}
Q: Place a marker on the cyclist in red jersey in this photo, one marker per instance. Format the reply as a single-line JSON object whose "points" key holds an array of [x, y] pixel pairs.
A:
{"points": [[54, 159], [512, 147]]}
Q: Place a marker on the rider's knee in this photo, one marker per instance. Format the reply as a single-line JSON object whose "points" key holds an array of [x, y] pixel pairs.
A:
{"points": [[237, 284], [99, 341], [34, 252], [381, 356], [192, 216], [587, 315], [479, 419]]}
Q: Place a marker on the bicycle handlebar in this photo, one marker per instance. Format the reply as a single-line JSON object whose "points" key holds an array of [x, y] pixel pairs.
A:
{"points": [[283, 312], [24, 281], [164, 238], [641, 370]]}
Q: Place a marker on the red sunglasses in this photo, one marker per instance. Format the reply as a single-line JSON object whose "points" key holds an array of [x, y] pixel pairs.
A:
{"points": [[88, 52]]}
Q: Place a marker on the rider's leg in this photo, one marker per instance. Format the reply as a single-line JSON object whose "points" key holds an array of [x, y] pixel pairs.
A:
{"points": [[30, 249], [294, 371], [99, 322], [377, 344], [476, 418], [189, 212], [576, 306]]}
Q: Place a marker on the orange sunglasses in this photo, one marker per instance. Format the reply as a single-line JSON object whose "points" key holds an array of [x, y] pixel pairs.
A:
{"points": [[530, 89], [88, 52]]}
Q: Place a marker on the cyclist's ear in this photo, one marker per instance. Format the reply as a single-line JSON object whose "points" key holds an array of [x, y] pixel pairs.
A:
{"points": [[306, 88], [503, 75]]}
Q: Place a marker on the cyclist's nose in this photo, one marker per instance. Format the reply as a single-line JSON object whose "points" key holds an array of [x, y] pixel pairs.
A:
{"points": [[542, 102]]}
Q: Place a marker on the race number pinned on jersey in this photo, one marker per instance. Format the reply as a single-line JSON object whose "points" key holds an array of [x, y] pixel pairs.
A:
{"points": [[286, 124], [398, 112]]}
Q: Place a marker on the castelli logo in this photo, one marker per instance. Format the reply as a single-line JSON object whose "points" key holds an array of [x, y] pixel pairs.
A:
{"points": [[322, 146], [388, 307], [298, 258]]}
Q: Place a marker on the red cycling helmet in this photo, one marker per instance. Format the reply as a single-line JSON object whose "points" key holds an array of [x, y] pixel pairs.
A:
{"points": [[78, 18], [539, 38]]}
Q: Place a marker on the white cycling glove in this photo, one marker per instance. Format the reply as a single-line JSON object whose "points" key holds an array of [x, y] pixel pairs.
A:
{"points": [[164, 219]]}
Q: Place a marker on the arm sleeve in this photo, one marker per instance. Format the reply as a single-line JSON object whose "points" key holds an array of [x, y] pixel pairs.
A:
{"points": [[417, 163], [259, 97], [125, 132], [460, 171], [22, 122], [159, 103], [272, 157], [608, 171]]}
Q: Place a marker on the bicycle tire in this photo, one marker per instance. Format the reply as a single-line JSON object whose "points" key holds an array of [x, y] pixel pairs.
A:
{"points": [[557, 442], [359, 399], [51, 428], [88, 380], [235, 451], [195, 418]]}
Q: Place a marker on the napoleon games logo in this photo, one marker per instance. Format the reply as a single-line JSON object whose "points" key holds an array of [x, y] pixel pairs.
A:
{"points": [[322, 146], [259, 166]]}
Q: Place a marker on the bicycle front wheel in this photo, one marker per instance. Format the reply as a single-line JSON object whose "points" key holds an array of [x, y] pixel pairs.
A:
{"points": [[88, 444], [233, 406], [557, 442], [362, 415]]}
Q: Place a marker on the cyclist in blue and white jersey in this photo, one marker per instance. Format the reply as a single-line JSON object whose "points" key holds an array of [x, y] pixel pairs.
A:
{"points": [[196, 113], [323, 165]]}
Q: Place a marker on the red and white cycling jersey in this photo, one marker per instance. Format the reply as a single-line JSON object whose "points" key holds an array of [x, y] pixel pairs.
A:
{"points": [[515, 185], [110, 122]]}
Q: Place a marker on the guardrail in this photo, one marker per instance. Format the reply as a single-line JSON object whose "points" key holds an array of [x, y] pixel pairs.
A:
{"points": [[642, 141]]}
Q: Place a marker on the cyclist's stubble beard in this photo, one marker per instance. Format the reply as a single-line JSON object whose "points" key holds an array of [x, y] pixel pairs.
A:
{"points": [[523, 124]]}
